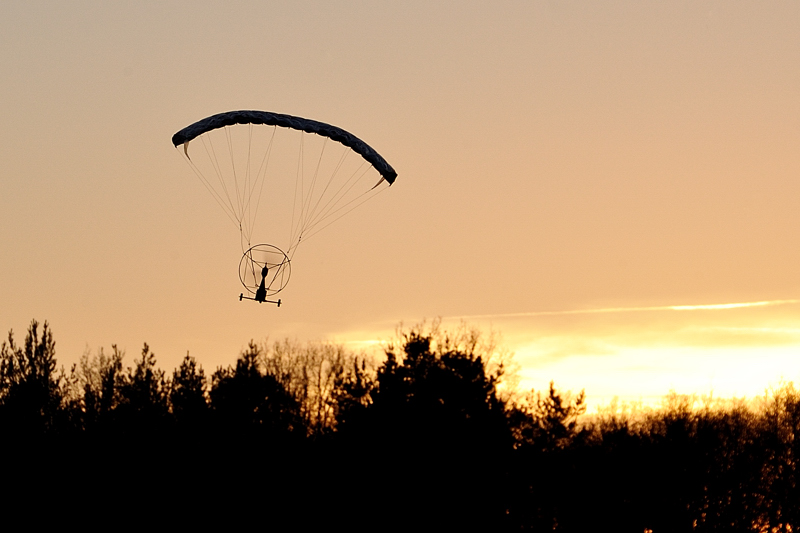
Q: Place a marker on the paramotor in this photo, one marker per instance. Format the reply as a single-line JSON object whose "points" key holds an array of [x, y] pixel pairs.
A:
{"points": [[294, 175]]}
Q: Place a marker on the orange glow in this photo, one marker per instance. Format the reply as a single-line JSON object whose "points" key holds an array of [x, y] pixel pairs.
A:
{"points": [[575, 177]]}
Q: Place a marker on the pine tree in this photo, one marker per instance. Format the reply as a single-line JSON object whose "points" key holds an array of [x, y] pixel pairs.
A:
{"points": [[30, 396]]}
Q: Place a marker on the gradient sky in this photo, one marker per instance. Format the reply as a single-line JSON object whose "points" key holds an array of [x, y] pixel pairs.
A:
{"points": [[554, 158]]}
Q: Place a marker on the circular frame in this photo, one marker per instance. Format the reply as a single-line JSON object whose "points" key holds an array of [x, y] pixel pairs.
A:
{"points": [[255, 259]]}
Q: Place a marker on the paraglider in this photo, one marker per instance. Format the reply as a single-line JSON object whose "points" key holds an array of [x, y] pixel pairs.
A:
{"points": [[292, 175]]}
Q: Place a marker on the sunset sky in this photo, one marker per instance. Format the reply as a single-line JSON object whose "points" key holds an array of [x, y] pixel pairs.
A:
{"points": [[597, 182]]}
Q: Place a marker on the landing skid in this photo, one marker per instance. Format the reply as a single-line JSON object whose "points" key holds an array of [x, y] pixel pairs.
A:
{"points": [[243, 297]]}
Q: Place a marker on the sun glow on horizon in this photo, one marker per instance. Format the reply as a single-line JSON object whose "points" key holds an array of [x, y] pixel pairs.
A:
{"points": [[640, 354], [646, 375]]}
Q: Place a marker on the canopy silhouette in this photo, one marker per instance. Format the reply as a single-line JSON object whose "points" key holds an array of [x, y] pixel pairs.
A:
{"points": [[339, 135]]}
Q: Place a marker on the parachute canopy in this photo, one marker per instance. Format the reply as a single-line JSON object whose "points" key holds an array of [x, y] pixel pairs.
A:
{"points": [[287, 121]]}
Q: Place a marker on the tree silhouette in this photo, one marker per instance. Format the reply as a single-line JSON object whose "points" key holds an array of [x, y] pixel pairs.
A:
{"points": [[187, 395], [93, 391], [30, 395], [143, 396], [250, 404], [548, 422], [437, 431], [781, 430], [548, 479], [424, 441], [312, 374], [351, 395], [727, 441]]}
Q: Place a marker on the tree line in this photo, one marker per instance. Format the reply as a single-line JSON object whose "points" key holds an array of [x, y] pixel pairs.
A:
{"points": [[432, 436]]}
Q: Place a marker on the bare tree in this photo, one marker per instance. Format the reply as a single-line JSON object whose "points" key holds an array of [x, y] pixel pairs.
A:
{"points": [[311, 373]]}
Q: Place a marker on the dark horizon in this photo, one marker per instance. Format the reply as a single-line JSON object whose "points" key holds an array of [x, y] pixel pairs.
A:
{"points": [[424, 439]]}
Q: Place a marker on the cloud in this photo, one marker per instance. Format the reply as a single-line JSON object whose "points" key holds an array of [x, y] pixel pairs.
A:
{"points": [[604, 310]]}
